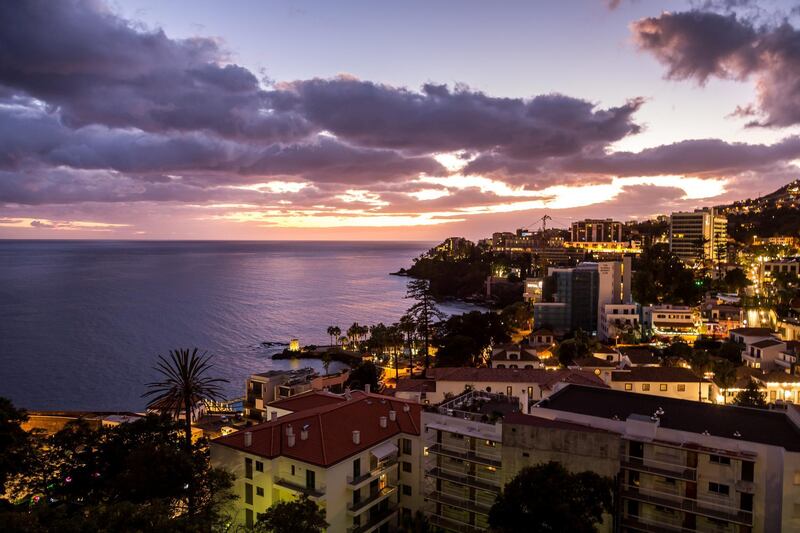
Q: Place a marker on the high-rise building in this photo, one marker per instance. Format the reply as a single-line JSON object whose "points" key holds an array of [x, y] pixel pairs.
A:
{"points": [[698, 236], [596, 230]]}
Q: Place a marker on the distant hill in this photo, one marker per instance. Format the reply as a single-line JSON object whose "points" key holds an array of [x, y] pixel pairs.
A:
{"points": [[772, 215], [786, 196]]}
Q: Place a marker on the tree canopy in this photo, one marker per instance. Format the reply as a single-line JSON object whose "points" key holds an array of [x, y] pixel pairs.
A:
{"points": [[366, 373], [659, 276], [548, 498], [751, 396], [295, 516]]}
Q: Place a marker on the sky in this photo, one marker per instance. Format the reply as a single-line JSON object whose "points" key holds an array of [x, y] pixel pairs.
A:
{"points": [[145, 119]]}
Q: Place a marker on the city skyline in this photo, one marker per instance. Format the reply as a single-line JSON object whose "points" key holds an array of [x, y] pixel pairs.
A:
{"points": [[148, 120]]}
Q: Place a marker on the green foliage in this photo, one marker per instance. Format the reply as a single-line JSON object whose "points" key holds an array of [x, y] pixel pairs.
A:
{"points": [[517, 315], [724, 373], [461, 276], [183, 385], [576, 347], [13, 440], [458, 350], [423, 313], [659, 276], [732, 351], [769, 222], [296, 516], [548, 498], [736, 280], [679, 349], [366, 373], [137, 476], [751, 396]]}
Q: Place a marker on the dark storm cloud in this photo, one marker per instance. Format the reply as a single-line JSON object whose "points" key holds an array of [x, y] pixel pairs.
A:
{"points": [[330, 160], [702, 44], [97, 68], [700, 156], [440, 119]]}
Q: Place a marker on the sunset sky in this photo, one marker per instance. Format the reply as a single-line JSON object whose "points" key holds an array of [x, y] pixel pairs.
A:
{"points": [[147, 119]]}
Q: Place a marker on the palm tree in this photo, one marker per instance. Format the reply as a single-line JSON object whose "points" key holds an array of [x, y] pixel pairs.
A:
{"points": [[333, 333], [183, 386], [326, 361]]}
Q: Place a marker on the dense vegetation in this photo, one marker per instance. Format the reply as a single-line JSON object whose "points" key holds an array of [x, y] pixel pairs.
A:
{"points": [[548, 498], [769, 222], [137, 476], [659, 276]]}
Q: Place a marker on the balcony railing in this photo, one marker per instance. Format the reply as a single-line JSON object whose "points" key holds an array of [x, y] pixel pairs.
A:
{"points": [[375, 521], [301, 489], [486, 484], [449, 524], [707, 508], [369, 501], [459, 502], [660, 468], [382, 467], [464, 455]]}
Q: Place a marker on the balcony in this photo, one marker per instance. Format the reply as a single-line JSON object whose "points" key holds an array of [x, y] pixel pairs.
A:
{"points": [[459, 502], [371, 475], [375, 521], [659, 468], [470, 456], [369, 501], [488, 485], [448, 524], [681, 503], [313, 494], [635, 523]]}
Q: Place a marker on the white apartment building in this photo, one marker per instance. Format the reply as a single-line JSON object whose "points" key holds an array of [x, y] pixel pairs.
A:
{"points": [[763, 353], [534, 384], [672, 320], [360, 459], [616, 319], [688, 466], [664, 381]]}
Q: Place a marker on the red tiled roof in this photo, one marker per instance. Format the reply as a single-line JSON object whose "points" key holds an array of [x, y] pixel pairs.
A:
{"points": [[533, 420], [545, 378], [309, 400], [415, 385], [330, 430], [672, 374]]}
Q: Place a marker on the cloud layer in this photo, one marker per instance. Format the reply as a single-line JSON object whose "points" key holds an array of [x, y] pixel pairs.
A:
{"points": [[105, 123]]}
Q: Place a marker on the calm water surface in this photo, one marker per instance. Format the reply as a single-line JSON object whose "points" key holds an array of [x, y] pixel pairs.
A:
{"points": [[81, 322]]}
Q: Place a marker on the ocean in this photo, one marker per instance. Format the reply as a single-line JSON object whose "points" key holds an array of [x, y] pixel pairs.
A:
{"points": [[82, 322]]}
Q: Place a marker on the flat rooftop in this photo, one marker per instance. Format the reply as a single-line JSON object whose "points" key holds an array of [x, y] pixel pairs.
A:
{"points": [[755, 425]]}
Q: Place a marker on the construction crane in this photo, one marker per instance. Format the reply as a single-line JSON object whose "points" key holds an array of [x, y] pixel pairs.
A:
{"points": [[543, 220]]}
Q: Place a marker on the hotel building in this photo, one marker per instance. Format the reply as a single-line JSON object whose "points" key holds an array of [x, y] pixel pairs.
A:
{"points": [[698, 236]]}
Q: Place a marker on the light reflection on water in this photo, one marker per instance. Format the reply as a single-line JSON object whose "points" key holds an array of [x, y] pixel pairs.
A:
{"points": [[81, 322]]}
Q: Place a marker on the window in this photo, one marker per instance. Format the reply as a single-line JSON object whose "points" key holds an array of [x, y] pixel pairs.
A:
{"points": [[629, 386], [718, 488], [292, 469], [406, 490], [746, 502], [311, 481], [748, 471], [248, 517], [259, 491], [681, 388], [720, 460], [662, 387], [508, 391], [406, 446], [259, 466], [248, 494], [357, 468], [525, 454], [406, 466], [645, 386], [248, 468]]}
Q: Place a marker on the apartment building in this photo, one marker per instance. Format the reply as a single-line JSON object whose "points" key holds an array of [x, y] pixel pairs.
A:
{"points": [[266, 387], [596, 230], [360, 459], [617, 319], [763, 353], [534, 384], [664, 381], [698, 236], [685, 466], [672, 320], [463, 459]]}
